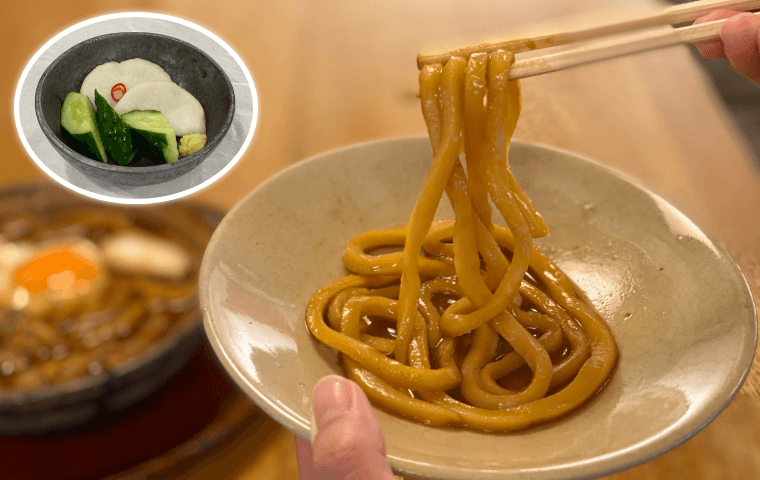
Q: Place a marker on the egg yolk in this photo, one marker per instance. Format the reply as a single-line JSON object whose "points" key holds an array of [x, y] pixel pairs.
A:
{"points": [[61, 269]]}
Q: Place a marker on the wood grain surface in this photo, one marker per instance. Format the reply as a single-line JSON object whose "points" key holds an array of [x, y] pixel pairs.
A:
{"points": [[335, 72]]}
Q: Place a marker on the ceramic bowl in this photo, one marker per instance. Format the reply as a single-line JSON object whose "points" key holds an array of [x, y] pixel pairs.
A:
{"points": [[76, 403], [188, 67], [678, 305]]}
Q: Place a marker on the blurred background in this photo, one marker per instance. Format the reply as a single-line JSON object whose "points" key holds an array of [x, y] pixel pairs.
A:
{"points": [[739, 94], [330, 73]]}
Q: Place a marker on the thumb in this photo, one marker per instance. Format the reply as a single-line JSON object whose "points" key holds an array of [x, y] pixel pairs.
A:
{"points": [[714, 48], [347, 442], [739, 37]]}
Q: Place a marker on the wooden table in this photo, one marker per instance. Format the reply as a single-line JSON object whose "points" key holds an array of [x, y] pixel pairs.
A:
{"points": [[332, 72]]}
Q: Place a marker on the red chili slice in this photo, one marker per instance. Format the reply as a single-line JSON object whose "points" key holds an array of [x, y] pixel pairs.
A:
{"points": [[118, 91]]}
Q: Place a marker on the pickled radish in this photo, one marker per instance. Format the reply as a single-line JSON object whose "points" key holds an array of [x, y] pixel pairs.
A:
{"points": [[129, 73]]}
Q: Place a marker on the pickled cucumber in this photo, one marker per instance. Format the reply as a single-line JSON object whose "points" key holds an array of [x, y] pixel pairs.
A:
{"points": [[154, 132], [79, 127], [114, 132]]}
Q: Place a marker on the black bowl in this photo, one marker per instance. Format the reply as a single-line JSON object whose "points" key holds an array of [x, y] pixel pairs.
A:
{"points": [[188, 67], [79, 402]]}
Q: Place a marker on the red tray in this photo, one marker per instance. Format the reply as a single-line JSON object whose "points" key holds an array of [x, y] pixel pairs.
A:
{"points": [[197, 410]]}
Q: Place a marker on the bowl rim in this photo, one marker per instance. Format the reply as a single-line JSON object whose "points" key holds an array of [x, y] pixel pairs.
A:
{"points": [[90, 162], [604, 465], [53, 394]]}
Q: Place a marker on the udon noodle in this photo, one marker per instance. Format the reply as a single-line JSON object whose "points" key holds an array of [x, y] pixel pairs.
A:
{"points": [[481, 330]]}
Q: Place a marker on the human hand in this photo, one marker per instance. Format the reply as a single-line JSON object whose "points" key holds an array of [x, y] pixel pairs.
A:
{"points": [[346, 440], [738, 41]]}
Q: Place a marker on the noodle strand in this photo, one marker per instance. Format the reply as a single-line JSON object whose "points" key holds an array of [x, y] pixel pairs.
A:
{"points": [[470, 324]]}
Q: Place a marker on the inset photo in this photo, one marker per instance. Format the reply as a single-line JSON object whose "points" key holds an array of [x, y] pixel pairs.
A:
{"points": [[135, 108]]}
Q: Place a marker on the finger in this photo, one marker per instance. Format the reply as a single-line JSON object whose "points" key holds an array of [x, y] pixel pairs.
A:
{"points": [[714, 48], [305, 463], [739, 36], [348, 443], [715, 15]]}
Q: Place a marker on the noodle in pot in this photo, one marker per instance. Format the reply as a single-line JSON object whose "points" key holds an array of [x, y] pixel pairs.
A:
{"points": [[482, 330]]}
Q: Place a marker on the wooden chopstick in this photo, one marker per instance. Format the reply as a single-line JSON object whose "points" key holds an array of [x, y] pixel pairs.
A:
{"points": [[668, 16], [613, 48]]}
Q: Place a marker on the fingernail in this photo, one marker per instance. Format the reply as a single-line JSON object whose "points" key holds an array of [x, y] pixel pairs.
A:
{"points": [[712, 15], [332, 398]]}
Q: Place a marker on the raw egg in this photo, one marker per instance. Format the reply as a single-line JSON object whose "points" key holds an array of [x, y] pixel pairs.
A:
{"points": [[41, 278]]}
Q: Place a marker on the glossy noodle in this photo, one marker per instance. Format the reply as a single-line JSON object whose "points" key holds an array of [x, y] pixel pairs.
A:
{"points": [[481, 330]]}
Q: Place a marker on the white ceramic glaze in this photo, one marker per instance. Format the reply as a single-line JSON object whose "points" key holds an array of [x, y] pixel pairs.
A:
{"points": [[677, 304]]}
